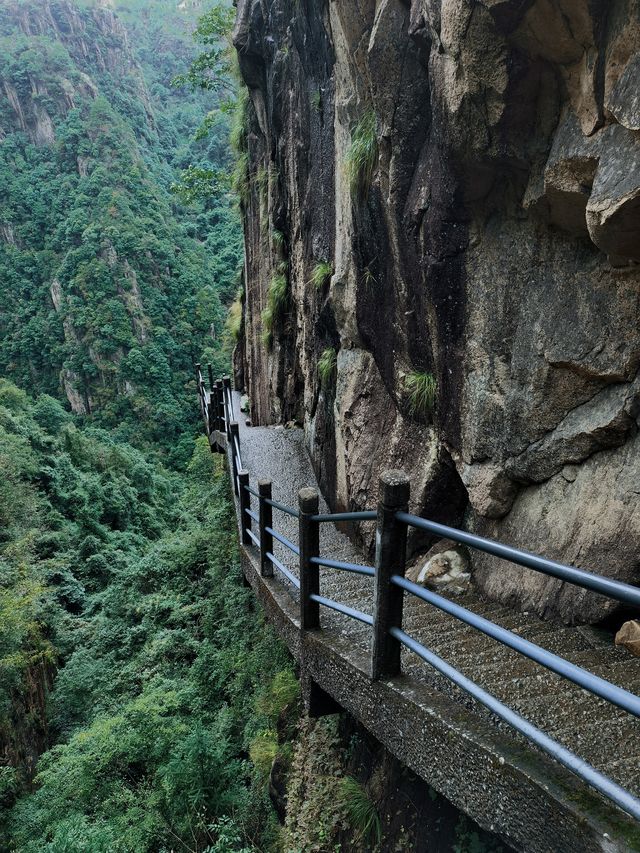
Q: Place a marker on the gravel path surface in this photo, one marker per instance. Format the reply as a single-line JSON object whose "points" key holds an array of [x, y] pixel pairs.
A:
{"points": [[606, 737], [280, 455]]}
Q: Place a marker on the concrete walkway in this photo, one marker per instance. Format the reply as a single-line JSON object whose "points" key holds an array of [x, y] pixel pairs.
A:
{"points": [[606, 737]]}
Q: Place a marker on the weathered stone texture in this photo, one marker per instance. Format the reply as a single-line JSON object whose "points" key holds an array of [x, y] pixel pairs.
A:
{"points": [[497, 249]]}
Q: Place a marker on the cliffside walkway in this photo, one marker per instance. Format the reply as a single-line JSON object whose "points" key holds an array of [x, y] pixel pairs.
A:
{"points": [[436, 677]]}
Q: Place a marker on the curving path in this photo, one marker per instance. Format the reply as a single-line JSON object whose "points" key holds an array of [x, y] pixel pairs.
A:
{"points": [[607, 738]]}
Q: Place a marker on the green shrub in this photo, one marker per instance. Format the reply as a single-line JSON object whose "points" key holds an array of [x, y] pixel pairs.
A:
{"points": [[361, 157], [327, 367], [278, 238], [321, 274], [362, 813], [421, 389], [277, 301]]}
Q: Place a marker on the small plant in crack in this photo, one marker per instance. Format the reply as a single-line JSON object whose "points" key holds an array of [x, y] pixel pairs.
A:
{"points": [[362, 155], [277, 303], [327, 366], [421, 388], [321, 274]]}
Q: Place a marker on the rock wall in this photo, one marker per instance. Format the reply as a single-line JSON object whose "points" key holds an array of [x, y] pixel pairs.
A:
{"points": [[490, 239]]}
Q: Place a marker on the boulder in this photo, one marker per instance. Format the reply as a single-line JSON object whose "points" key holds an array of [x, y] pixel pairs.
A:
{"points": [[444, 568], [629, 636]]}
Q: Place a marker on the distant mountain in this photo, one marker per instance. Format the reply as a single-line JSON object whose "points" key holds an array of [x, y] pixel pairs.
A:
{"points": [[109, 287]]}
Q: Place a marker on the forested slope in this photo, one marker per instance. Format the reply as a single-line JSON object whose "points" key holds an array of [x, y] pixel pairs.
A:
{"points": [[124, 577], [111, 287], [136, 677]]}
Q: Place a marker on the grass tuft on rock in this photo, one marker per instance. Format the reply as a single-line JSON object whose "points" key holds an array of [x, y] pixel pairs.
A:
{"points": [[327, 365], [321, 274], [362, 155], [363, 815], [239, 135], [234, 317], [421, 388], [277, 302]]}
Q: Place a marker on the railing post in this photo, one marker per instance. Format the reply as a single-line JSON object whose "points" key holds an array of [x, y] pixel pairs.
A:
{"points": [[309, 544], [235, 434], [220, 424], [210, 371], [391, 548], [226, 382], [245, 504], [199, 387], [212, 411], [266, 520]]}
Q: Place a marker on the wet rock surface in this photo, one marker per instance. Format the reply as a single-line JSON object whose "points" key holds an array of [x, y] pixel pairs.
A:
{"points": [[495, 248]]}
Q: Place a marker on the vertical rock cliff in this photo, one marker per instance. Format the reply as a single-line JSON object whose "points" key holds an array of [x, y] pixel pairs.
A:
{"points": [[442, 209]]}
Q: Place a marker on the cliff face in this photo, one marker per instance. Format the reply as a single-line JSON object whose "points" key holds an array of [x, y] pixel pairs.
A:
{"points": [[493, 246]]}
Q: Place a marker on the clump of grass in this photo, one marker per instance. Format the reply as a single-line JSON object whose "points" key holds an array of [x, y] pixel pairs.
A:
{"points": [[262, 752], [316, 100], [327, 365], [277, 301], [240, 180], [421, 388], [262, 182], [321, 274], [277, 238], [234, 317], [361, 157], [282, 692], [368, 276], [239, 134], [362, 813]]}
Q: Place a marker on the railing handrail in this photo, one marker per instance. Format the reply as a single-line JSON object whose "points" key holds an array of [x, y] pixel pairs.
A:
{"points": [[393, 520], [616, 793], [582, 677]]}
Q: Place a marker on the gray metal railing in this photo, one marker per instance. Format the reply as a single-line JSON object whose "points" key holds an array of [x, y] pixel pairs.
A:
{"points": [[392, 522]]}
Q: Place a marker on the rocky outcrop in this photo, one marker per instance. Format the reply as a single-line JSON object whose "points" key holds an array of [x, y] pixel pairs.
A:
{"points": [[96, 43], [493, 246]]}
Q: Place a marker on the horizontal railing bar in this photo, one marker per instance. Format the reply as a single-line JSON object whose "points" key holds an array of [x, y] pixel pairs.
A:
{"points": [[577, 765], [346, 567], [592, 683], [252, 492], [287, 509], [256, 541], [285, 571], [342, 608], [597, 583], [365, 515], [236, 445], [252, 515], [283, 539]]}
